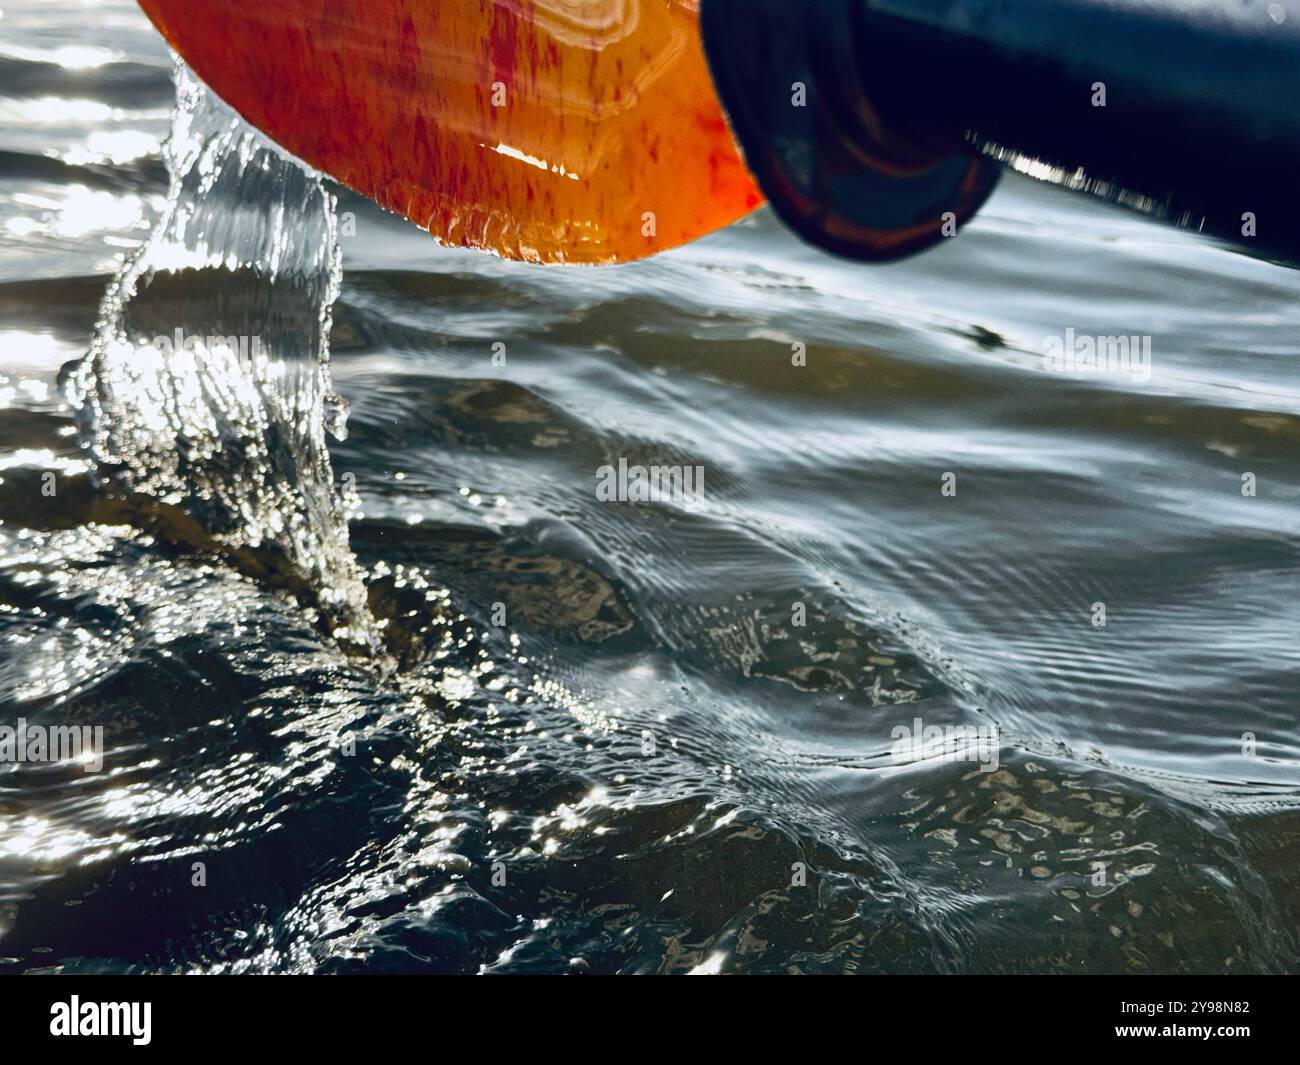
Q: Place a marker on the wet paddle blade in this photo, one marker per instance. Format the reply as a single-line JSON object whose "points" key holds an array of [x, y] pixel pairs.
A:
{"points": [[583, 131]]}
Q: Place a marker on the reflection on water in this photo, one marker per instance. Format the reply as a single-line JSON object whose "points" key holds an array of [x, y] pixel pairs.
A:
{"points": [[624, 736]]}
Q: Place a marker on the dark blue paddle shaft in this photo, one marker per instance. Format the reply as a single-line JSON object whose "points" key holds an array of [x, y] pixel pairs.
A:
{"points": [[1202, 97], [1201, 115]]}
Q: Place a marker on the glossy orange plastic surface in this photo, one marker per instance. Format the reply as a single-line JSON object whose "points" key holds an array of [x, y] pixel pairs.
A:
{"points": [[547, 130]]}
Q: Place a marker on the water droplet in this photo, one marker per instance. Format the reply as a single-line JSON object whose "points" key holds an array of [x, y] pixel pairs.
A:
{"points": [[336, 415]]}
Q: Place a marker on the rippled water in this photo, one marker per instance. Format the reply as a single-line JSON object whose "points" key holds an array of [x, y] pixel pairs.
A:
{"points": [[595, 735]]}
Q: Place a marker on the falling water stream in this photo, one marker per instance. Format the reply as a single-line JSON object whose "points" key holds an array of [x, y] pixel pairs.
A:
{"points": [[206, 391]]}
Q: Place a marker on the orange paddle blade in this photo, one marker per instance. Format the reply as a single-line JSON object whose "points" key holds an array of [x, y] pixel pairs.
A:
{"points": [[580, 131]]}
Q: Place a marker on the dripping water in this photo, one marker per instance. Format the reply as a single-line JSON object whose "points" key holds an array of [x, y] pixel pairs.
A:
{"points": [[205, 395]]}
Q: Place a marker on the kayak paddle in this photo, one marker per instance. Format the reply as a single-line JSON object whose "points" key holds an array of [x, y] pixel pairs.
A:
{"points": [[590, 131], [579, 131], [1185, 110]]}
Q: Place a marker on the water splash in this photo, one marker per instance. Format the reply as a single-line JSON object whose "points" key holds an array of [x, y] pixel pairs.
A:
{"points": [[205, 395]]}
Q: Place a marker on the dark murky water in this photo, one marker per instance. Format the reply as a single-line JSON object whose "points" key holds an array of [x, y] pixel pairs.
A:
{"points": [[678, 751]]}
